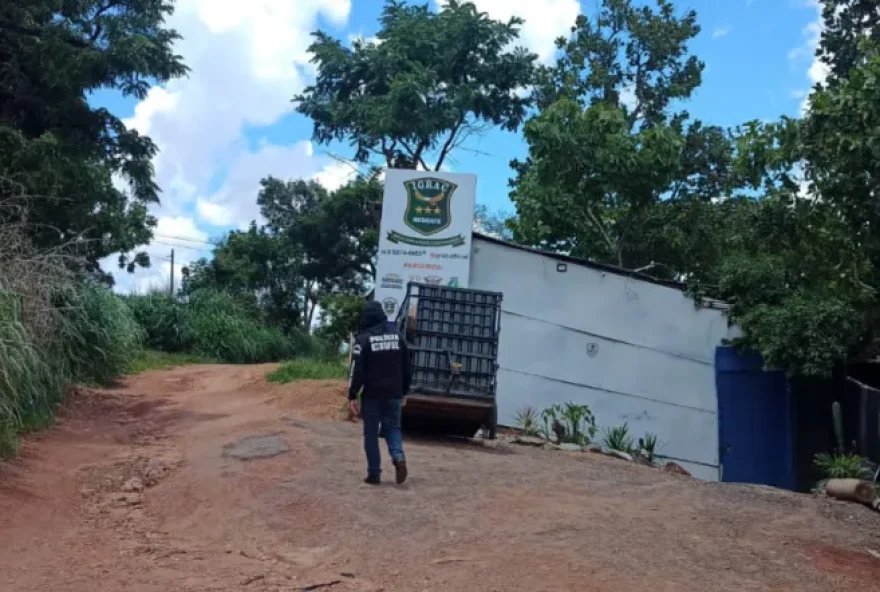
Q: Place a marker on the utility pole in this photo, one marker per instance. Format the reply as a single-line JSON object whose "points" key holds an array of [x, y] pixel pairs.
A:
{"points": [[172, 273]]}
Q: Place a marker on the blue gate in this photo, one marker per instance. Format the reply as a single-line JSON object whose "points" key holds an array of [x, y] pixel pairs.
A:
{"points": [[755, 419]]}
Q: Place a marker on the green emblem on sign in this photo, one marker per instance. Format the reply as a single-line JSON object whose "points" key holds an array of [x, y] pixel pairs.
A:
{"points": [[428, 211]]}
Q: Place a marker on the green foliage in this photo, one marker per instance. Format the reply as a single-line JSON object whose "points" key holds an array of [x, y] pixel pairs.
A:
{"points": [[100, 335], [87, 335], [615, 175], [578, 420], [260, 267], [55, 145], [841, 466], [340, 316], [148, 359], [435, 78], [213, 324], [612, 175], [163, 320], [528, 421], [649, 443], [308, 369], [618, 438]]}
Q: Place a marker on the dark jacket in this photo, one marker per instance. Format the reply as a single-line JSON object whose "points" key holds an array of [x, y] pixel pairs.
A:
{"points": [[379, 358]]}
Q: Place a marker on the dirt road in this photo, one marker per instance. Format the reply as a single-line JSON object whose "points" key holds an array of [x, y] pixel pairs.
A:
{"points": [[136, 489]]}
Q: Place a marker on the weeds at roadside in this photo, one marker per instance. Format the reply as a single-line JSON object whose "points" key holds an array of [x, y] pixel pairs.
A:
{"points": [[308, 369]]}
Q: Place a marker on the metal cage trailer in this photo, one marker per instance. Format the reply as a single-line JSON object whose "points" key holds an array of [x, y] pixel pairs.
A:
{"points": [[452, 335]]}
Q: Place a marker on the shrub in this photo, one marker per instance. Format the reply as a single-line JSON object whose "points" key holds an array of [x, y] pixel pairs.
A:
{"points": [[162, 319], [841, 466], [220, 326], [100, 334], [578, 421]]}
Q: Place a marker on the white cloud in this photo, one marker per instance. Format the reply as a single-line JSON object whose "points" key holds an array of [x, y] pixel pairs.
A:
{"points": [[544, 21], [235, 203], [177, 233], [247, 60], [334, 176], [817, 71], [720, 32]]}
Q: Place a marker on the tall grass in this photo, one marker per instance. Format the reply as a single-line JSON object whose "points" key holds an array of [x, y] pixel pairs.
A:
{"points": [[92, 340], [56, 327], [217, 325]]}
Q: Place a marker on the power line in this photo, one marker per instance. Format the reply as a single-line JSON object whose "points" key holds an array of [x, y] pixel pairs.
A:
{"points": [[184, 239], [178, 246]]}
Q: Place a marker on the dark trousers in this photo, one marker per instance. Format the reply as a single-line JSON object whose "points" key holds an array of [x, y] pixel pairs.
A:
{"points": [[381, 416]]}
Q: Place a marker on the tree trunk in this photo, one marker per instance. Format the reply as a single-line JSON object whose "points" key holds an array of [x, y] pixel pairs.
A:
{"points": [[852, 490]]}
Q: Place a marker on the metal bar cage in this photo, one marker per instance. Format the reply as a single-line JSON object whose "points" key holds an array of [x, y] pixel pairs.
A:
{"points": [[453, 335]]}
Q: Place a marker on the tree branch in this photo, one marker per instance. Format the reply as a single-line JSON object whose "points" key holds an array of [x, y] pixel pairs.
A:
{"points": [[447, 146], [601, 228]]}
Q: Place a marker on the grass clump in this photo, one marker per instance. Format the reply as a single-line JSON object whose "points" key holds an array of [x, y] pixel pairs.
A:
{"points": [[309, 369], [841, 466], [618, 438]]}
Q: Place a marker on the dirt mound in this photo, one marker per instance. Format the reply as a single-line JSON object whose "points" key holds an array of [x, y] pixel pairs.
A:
{"points": [[313, 399]]}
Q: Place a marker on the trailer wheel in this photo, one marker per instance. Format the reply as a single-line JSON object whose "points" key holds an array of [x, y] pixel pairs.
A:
{"points": [[490, 430]]}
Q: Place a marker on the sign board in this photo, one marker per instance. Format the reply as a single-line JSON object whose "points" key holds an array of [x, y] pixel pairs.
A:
{"points": [[426, 231]]}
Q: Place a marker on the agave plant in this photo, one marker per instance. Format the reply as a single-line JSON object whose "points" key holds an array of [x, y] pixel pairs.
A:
{"points": [[527, 421], [618, 438]]}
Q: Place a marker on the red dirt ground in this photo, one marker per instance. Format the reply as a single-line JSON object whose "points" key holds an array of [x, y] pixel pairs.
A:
{"points": [[130, 491]]}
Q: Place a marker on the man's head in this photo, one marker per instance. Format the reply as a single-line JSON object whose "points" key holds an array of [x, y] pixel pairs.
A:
{"points": [[373, 315]]}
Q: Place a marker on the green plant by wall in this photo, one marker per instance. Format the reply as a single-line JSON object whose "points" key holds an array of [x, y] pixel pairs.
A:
{"points": [[577, 420], [618, 438], [650, 444], [841, 466], [528, 422]]}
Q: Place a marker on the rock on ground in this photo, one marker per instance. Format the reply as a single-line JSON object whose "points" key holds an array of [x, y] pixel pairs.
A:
{"points": [[252, 447]]}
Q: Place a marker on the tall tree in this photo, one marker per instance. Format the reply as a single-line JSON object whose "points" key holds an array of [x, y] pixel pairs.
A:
{"points": [[59, 152], [609, 161], [261, 267], [803, 281], [431, 80]]}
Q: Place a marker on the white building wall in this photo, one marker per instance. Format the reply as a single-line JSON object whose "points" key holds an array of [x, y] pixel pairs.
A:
{"points": [[653, 362]]}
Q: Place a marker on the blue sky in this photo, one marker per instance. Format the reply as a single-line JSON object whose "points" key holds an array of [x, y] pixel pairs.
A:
{"points": [[231, 121]]}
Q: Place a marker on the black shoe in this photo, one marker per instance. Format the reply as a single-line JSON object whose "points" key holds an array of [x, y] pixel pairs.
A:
{"points": [[371, 480], [400, 471]]}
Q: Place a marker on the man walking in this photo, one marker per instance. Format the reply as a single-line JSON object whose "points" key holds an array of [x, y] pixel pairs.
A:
{"points": [[380, 365]]}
